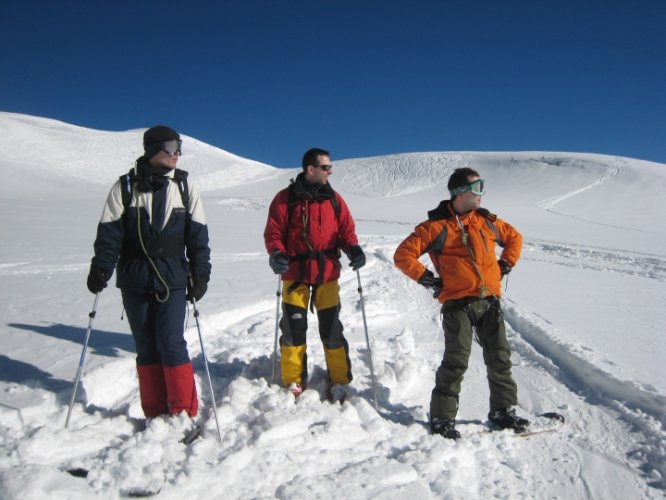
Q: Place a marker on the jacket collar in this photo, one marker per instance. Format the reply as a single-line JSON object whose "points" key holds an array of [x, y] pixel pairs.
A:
{"points": [[443, 211], [316, 192], [143, 168]]}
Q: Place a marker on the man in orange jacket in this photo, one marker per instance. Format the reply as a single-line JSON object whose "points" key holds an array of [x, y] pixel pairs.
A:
{"points": [[308, 224], [460, 238]]}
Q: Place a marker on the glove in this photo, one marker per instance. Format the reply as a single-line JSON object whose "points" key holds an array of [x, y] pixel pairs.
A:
{"points": [[97, 279], [505, 267], [196, 288], [279, 262], [429, 281], [356, 257]]}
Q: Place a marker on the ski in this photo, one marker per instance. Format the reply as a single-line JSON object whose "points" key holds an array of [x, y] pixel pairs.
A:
{"points": [[545, 422], [192, 435], [77, 472], [135, 491], [141, 492], [540, 424]]}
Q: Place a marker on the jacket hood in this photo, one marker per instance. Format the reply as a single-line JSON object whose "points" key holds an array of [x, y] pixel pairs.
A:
{"points": [[149, 178], [443, 211]]}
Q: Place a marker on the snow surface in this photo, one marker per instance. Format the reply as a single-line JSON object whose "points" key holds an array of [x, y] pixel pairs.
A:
{"points": [[584, 309]]}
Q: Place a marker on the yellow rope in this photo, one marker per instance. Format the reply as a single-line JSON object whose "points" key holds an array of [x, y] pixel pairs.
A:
{"points": [[150, 261]]}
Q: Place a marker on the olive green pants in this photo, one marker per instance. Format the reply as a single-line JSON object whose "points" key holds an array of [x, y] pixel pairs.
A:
{"points": [[460, 316]]}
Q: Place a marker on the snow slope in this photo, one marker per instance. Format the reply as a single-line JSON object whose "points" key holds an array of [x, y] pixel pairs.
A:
{"points": [[584, 310]]}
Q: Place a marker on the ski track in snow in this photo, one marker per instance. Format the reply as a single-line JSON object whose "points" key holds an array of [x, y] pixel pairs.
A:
{"points": [[643, 411], [236, 203], [596, 259], [392, 451], [616, 168], [395, 175]]}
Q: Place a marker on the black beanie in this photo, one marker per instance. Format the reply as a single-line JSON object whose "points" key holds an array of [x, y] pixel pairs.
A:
{"points": [[155, 136]]}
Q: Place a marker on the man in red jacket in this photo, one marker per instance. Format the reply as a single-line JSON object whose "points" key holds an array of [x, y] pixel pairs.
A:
{"points": [[308, 224]]}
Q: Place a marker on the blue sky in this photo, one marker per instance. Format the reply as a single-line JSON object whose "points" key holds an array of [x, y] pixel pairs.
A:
{"points": [[267, 80]]}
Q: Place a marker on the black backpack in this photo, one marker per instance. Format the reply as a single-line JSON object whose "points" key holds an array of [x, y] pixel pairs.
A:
{"points": [[179, 177], [291, 203], [302, 258]]}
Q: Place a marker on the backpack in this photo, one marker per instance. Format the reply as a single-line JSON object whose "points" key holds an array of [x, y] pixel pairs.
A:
{"points": [[302, 258], [291, 204], [179, 177], [437, 245]]}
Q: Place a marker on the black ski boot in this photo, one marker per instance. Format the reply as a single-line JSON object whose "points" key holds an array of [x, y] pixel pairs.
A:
{"points": [[445, 427], [507, 419]]}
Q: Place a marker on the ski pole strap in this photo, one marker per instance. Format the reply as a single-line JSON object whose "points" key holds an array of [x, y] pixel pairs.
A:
{"points": [[293, 286], [313, 292]]}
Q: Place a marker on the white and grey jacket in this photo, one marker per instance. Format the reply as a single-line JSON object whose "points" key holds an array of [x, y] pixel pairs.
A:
{"points": [[173, 235]]}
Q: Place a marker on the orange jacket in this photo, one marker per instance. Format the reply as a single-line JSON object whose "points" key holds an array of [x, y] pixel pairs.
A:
{"points": [[441, 238]]}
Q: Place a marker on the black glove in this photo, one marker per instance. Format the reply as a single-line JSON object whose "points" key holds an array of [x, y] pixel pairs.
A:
{"points": [[429, 281], [97, 279], [196, 288], [279, 262], [356, 257], [505, 267]]}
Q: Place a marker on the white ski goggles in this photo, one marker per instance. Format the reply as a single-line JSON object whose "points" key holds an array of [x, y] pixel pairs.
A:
{"points": [[477, 187], [172, 147]]}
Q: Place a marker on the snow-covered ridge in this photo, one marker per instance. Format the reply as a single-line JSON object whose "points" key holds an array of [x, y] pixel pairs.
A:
{"points": [[59, 151], [56, 150], [399, 174]]}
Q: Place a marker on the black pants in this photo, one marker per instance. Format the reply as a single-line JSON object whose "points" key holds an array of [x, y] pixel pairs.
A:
{"points": [[157, 327]]}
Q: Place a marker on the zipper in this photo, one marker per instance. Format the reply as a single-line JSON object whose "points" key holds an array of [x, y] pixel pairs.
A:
{"points": [[306, 225], [483, 238], [483, 291]]}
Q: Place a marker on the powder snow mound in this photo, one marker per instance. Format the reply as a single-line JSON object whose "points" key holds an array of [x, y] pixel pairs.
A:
{"points": [[398, 174], [558, 189], [48, 153], [402, 174], [59, 152]]}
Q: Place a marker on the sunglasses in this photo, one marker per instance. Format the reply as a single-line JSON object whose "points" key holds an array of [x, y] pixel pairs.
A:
{"points": [[172, 147], [325, 168], [476, 187]]}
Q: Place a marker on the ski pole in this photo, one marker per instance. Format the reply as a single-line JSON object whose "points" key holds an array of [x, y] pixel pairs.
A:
{"points": [[367, 340], [203, 353], [277, 314], [91, 315]]}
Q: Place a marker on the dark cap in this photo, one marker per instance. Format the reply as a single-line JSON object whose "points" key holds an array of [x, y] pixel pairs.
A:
{"points": [[155, 136], [460, 177]]}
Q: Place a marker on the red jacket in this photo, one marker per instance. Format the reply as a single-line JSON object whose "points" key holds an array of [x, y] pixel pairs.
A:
{"points": [[441, 238], [314, 235]]}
